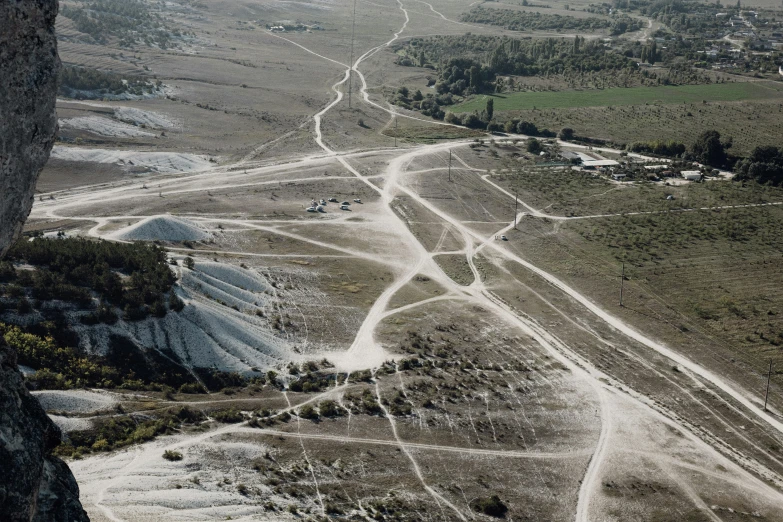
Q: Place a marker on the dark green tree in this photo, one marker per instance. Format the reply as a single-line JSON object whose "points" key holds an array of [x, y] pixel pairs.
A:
{"points": [[709, 150]]}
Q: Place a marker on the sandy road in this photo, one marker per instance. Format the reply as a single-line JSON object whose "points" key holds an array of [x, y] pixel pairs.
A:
{"points": [[429, 447]]}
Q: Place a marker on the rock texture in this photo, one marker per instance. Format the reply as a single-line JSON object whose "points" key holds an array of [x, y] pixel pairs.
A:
{"points": [[29, 66], [34, 485]]}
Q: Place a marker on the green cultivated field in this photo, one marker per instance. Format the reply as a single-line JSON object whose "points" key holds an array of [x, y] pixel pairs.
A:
{"points": [[626, 96]]}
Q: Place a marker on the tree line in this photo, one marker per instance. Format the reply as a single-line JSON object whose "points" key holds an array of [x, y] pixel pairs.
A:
{"points": [[532, 21], [763, 165]]}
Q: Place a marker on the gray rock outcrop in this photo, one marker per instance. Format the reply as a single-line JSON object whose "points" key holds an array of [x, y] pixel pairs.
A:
{"points": [[34, 485], [29, 66]]}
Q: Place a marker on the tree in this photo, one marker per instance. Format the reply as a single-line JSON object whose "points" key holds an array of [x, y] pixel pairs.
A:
{"points": [[566, 133], [472, 121], [190, 263], [534, 146], [475, 78], [709, 150], [422, 59], [490, 108]]}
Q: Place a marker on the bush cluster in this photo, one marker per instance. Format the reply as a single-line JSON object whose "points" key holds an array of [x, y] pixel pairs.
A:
{"points": [[110, 433]]}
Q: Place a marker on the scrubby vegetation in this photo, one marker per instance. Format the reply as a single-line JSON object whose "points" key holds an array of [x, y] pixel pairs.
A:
{"points": [[172, 455], [491, 506], [83, 82], [49, 347], [116, 432], [642, 239], [128, 22], [59, 367]]}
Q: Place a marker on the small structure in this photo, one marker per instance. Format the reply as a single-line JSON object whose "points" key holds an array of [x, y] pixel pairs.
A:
{"points": [[570, 156], [618, 176], [691, 175], [593, 164]]}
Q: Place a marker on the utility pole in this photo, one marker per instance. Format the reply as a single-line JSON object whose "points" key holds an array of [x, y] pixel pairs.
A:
{"points": [[395, 131], [769, 376], [516, 206], [350, 64], [449, 165], [622, 284]]}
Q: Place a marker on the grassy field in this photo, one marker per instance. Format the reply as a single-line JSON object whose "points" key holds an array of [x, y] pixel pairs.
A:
{"points": [[431, 133], [631, 96], [564, 192], [750, 123]]}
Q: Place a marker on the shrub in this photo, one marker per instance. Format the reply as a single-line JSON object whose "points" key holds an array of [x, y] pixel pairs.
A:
{"points": [[308, 412], [329, 409], [172, 455], [491, 506], [230, 416]]}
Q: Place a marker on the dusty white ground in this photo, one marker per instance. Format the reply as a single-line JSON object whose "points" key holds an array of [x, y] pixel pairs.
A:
{"points": [[104, 127], [76, 401], [154, 161]]}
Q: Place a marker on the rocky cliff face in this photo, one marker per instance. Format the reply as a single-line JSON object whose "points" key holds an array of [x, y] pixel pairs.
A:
{"points": [[34, 485], [28, 87]]}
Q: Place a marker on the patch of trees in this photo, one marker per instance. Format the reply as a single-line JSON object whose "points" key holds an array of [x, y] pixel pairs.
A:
{"points": [[473, 64], [659, 147], [533, 21], [130, 22], [81, 82], [710, 150], [132, 277], [764, 165], [649, 7]]}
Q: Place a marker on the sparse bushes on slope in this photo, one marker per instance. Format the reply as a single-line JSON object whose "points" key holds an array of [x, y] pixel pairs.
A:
{"points": [[491, 506]]}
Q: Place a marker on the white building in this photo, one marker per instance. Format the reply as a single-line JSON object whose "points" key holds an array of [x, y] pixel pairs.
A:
{"points": [[691, 175]]}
